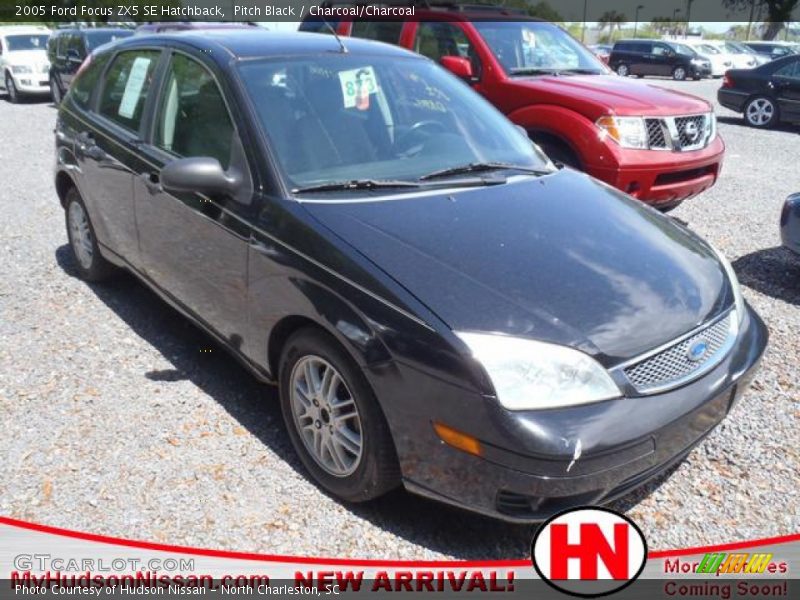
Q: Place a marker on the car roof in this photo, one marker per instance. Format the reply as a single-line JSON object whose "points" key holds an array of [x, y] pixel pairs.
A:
{"points": [[258, 43]]}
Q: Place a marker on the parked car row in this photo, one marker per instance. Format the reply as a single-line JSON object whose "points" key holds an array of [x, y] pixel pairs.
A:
{"points": [[440, 305]]}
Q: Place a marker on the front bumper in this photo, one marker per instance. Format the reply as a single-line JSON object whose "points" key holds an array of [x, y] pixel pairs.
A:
{"points": [[663, 178], [536, 463], [790, 223], [32, 83]]}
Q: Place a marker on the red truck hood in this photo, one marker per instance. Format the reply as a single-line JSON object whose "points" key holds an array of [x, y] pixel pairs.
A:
{"points": [[610, 94]]}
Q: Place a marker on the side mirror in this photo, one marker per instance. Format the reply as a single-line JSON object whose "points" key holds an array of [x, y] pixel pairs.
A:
{"points": [[458, 66], [203, 175]]}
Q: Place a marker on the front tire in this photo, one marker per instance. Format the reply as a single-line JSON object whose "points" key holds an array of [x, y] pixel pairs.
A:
{"points": [[623, 70], [55, 91], [11, 90], [761, 112], [90, 264], [679, 74], [333, 419]]}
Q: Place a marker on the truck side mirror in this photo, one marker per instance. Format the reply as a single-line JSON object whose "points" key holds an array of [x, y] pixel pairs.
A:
{"points": [[458, 66]]}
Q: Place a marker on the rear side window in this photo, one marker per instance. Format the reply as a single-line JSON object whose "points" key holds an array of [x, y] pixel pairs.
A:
{"points": [[126, 86], [382, 31], [193, 119], [81, 89]]}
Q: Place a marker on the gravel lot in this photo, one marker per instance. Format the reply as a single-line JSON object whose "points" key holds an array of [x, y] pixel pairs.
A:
{"points": [[120, 418]]}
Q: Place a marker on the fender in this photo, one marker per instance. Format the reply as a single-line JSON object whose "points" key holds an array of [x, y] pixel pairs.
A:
{"points": [[578, 132]]}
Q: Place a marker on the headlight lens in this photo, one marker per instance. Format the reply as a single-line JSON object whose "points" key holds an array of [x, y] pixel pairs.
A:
{"points": [[21, 69], [738, 299], [527, 374], [711, 127], [628, 132]]}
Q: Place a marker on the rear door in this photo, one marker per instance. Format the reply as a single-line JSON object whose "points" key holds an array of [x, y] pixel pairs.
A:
{"points": [[786, 83], [195, 247], [640, 60], [107, 145]]}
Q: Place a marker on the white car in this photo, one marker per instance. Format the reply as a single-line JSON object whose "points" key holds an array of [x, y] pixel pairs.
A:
{"points": [[740, 56], [23, 61], [720, 62]]}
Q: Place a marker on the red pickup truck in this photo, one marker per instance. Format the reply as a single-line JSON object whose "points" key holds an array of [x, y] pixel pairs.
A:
{"points": [[658, 145]]}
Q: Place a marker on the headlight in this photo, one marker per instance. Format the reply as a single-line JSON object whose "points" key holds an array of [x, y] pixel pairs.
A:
{"points": [[21, 69], [527, 374], [711, 127], [628, 132], [738, 299]]}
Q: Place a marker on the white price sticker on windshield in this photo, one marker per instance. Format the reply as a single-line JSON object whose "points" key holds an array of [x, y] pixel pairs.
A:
{"points": [[133, 88], [357, 85]]}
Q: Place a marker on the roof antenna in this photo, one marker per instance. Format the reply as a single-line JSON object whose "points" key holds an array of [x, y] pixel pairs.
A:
{"points": [[336, 35]]}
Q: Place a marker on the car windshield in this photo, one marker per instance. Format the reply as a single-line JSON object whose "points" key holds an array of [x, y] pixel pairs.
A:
{"points": [[345, 118], [528, 47], [708, 49], [684, 49], [95, 39], [36, 41], [732, 48]]}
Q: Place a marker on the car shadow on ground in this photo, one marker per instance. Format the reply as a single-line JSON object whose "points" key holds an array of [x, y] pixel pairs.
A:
{"points": [[255, 406], [774, 272], [739, 120]]}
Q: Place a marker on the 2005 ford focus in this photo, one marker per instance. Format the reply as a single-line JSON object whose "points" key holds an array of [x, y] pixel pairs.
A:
{"points": [[441, 306]]}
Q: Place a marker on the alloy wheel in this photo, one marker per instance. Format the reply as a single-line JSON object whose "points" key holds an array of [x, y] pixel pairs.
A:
{"points": [[679, 73], [760, 112], [622, 70], [326, 416], [55, 92], [80, 235]]}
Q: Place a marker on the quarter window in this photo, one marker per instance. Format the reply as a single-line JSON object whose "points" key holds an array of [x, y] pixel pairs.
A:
{"points": [[791, 71], [126, 87], [193, 119], [81, 89]]}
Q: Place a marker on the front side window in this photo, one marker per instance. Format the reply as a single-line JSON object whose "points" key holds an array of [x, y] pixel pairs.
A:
{"points": [[19, 42], [193, 119], [340, 117], [525, 47], [127, 84], [382, 31]]}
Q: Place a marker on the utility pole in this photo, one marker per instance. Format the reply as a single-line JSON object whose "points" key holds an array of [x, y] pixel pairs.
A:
{"points": [[750, 22], [636, 20], [688, 17], [583, 31]]}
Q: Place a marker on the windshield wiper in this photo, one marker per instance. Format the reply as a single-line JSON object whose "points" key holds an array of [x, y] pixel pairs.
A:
{"points": [[535, 71], [582, 71], [482, 166], [356, 184]]}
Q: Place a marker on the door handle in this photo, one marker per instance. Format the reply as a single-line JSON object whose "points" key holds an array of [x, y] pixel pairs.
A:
{"points": [[152, 182]]}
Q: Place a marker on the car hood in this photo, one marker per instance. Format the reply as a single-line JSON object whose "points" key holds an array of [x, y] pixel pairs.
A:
{"points": [[31, 58], [611, 94], [562, 258]]}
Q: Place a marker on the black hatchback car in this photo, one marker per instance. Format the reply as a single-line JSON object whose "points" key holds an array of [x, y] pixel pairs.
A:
{"points": [[653, 57], [440, 306], [765, 95], [67, 49]]}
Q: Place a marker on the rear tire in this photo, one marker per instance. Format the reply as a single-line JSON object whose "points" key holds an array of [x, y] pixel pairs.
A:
{"points": [[761, 112], [679, 74], [91, 266], [338, 429], [623, 70]]}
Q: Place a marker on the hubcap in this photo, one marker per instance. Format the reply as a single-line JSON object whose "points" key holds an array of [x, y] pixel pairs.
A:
{"points": [[80, 235], [759, 112], [622, 70], [326, 416]]}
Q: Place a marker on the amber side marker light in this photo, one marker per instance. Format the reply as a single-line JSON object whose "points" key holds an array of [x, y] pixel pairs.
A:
{"points": [[456, 439]]}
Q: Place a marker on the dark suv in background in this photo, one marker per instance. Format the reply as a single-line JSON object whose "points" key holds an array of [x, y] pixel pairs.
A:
{"points": [[67, 48], [654, 57]]}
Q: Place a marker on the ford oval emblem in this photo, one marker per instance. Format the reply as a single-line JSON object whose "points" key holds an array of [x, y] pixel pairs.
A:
{"points": [[697, 350]]}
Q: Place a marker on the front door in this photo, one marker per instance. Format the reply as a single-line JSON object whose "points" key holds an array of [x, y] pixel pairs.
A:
{"points": [[195, 247], [661, 60], [786, 83]]}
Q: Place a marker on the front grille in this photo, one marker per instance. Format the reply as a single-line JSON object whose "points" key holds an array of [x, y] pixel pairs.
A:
{"points": [[691, 131], [679, 133], [656, 134], [672, 366]]}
